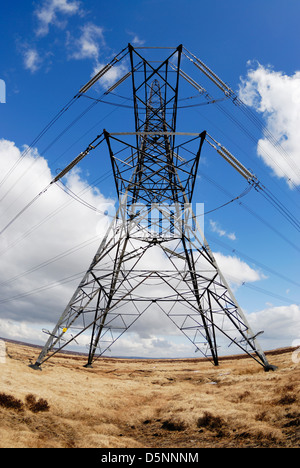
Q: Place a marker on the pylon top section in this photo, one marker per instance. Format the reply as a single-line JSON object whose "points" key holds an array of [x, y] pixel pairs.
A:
{"points": [[150, 169], [168, 159], [153, 257], [155, 89]]}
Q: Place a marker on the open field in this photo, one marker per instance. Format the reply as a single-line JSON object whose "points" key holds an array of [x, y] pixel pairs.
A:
{"points": [[148, 403]]}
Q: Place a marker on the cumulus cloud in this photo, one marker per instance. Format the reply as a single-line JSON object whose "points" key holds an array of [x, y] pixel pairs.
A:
{"points": [[32, 59], [236, 271], [214, 226], [136, 40], [87, 45], [277, 97], [81, 42], [46, 251], [112, 75], [51, 12], [54, 226], [281, 325]]}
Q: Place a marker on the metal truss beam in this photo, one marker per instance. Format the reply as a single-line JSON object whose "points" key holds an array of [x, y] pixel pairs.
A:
{"points": [[154, 254]]}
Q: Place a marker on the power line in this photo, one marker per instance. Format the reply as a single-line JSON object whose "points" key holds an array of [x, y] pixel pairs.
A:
{"points": [[51, 260], [52, 214], [39, 136], [248, 258], [81, 92], [250, 210], [79, 275], [23, 210], [42, 288], [229, 93]]}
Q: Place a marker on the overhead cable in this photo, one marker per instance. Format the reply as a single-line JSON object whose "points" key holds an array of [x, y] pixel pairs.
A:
{"points": [[247, 112], [85, 88], [94, 144], [252, 179]]}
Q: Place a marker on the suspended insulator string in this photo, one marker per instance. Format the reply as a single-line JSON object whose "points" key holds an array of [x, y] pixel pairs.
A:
{"points": [[43, 152], [270, 137], [90, 107], [74, 121], [82, 155], [249, 114], [254, 139], [34, 142], [50, 145], [264, 170], [63, 110], [229, 93], [73, 144], [280, 207], [53, 213]]}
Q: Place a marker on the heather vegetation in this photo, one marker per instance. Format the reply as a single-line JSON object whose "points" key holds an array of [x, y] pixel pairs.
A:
{"points": [[148, 403]]}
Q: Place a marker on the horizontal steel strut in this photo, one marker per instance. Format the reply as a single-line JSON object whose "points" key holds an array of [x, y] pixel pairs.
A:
{"points": [[154, 255]]}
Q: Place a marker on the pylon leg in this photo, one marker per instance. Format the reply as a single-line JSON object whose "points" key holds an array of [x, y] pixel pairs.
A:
{"points": [[117, 289], [154, 252]]}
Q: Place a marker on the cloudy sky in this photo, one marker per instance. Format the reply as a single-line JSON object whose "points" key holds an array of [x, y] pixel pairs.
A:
{"points": [[49, 50]]}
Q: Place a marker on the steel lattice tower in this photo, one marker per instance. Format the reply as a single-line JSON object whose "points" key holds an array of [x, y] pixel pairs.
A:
{"points": [[154, 221]]}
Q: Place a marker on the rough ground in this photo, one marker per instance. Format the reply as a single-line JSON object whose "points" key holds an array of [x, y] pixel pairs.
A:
{"points": [[148, 403]]}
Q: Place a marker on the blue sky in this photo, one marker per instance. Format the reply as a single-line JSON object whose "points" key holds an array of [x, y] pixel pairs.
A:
{"points": [[50, 48]]}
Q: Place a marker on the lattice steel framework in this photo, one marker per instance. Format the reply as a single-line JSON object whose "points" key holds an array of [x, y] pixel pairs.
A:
{"points": [[154, 254]]}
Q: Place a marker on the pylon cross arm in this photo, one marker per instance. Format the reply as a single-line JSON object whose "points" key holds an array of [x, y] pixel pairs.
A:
{"points": [[154, 256]]}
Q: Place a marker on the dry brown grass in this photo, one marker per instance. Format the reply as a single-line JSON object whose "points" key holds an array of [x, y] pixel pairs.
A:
{"points": [[147, 403]]}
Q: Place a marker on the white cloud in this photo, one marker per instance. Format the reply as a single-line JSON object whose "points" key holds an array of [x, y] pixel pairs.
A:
{"points": [[155, 346], [51, 11], [20, 331], [32, 60], [221, 232], [281, 325], [112, 75], [277, 97], [87, 45], [236, 271], [33, 298], [90, 45], [53, 225], [81, 42], [136, 40]]}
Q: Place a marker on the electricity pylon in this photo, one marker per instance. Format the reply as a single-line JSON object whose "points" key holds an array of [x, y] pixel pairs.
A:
{"points": [[154, 254]]}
